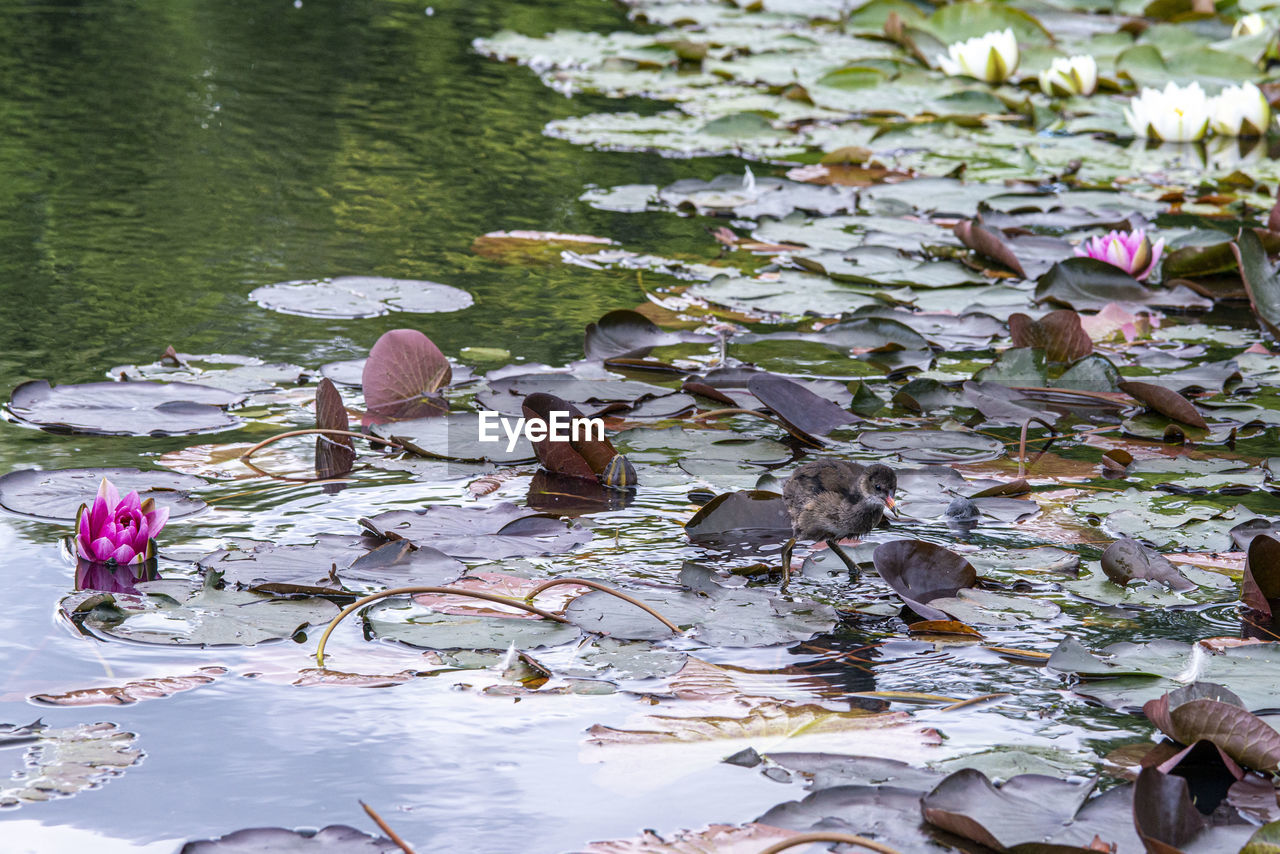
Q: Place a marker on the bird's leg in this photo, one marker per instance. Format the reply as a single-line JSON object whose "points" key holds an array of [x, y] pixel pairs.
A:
{"points": [[786, 563], [848, 561]]}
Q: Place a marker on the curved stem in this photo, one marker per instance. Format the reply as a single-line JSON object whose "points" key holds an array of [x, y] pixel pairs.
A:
{"points": [[828, 836], [246, 456], [604, 588], [453, 591], [1022, 442], [716, 413]]}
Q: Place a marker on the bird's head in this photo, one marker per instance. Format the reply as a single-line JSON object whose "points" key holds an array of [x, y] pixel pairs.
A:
{"points": [[880, 483]]}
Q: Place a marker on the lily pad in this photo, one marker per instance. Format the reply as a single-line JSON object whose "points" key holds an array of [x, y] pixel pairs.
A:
{"points": [[65, 760], [124, 409], [933, 446], [493, 533], [57, 494], [179, 614], [354, 297], [334, 839]]}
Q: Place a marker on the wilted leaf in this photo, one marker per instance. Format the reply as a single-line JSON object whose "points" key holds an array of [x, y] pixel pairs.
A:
{"points": [[991, 243], [1058, 333], [1164, 401], [133, 691]]}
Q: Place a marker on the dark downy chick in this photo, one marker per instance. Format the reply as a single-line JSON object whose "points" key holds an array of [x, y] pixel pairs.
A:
{"points": [[833, 499]]}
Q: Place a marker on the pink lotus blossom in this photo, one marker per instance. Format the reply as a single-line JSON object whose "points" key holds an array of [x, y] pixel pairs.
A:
{"points": [[116, 530], [1131, 252]]}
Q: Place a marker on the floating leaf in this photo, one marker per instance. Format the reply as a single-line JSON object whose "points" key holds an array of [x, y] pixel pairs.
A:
{"points": [[401, 377], [173, 613], [132, 691], [328, 840], [1261, 281], [584, 455], [494, 533], [56, 494], [933, 446], [359, 296], [63, 761], [1086, 284], [124, 409]]}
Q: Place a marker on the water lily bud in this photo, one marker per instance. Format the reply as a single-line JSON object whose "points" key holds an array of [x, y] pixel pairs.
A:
{"points": [[1131, 252], [1077, 75], [1250, 25], [991, 58], [1173, 114], [118, 530], [1240, 111]]}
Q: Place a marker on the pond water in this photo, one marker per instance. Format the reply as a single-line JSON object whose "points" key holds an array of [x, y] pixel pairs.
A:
{"points": [[161, 162]]}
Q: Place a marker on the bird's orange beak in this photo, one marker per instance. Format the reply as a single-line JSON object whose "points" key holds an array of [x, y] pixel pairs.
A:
{"points": [[891, 504]]}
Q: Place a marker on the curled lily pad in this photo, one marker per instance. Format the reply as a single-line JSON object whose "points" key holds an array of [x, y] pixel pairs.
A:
{"points": [[1087, 284], [58, 493], [359, 296], [502, 531], [133, 691], [1260, 587], [920, 572], [124, 409], [173, 613], [736, 520], [626, 332], [1058, 333], [584, 455], [798, 407]]}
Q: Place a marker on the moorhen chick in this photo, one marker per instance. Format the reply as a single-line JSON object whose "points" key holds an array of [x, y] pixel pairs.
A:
{"points": [[831, 499]]}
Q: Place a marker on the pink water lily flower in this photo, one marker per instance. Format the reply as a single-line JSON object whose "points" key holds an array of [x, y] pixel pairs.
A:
{"points": [[1131, 252], [118, 530]]}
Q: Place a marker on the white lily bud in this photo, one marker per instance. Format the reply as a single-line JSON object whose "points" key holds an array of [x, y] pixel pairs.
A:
{"points": [[1173, 114], [1240, 111], [1077, 75], [991, 58], [1250, 25]]}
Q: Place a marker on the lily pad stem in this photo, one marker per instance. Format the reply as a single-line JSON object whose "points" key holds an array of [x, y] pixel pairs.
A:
{"points": [[604, 588], [1022, 442], [828, 836], [245, 457], [453, 591]]}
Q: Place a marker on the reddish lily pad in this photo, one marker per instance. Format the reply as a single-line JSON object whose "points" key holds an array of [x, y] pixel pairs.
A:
{"points": [[1058, 333], [1260, 587], [402, 376], [920, 571], [335, 455]]}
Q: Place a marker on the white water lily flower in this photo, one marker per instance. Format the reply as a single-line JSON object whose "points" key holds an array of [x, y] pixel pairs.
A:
{"points": [[1173, 114], [1250, 25], [991, 58], [1077, 75], [1240, 111]]}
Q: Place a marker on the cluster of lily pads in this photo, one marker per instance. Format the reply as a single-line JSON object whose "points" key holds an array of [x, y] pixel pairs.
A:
{"points": [[1075, 382]]}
